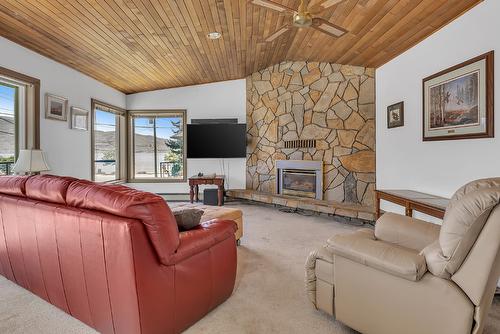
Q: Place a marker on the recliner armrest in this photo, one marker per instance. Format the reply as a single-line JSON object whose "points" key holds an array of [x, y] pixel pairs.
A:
{"points": [[406, 231], [363, 248], [202, 237]]}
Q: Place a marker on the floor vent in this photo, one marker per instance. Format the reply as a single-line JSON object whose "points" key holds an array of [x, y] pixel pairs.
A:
{"points": [[301, 143]]}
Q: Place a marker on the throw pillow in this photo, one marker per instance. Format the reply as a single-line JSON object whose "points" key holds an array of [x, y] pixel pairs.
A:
{"points": [[187, 218]]}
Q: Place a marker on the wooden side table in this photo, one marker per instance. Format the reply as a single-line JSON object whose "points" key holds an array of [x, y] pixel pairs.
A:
{"points": [[195, 181], [413, 200]]}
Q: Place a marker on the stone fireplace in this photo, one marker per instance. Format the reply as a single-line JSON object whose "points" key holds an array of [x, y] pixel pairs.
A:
{"points": [[312, 112], [300, 178]]}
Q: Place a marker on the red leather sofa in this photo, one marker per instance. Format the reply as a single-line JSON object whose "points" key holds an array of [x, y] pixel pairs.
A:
{"points": [[112, 256]]}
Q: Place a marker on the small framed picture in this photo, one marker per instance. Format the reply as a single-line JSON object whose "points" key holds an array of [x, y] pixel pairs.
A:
{"points": [[396, 115], [56, 107], [79, 119]]}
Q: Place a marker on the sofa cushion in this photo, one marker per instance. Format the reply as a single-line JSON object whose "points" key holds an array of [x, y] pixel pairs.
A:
{"points": [[150, 209], [187, 218], [13, 185], [48, 188]]}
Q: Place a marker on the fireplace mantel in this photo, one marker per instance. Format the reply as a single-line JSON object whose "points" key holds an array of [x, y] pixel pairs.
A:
{"points": [[302, 165]]}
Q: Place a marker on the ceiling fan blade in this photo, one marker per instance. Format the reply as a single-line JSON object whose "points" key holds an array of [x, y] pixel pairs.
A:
{"points": [[328, 28], [278, 33], [318, 8], [272, 5]]}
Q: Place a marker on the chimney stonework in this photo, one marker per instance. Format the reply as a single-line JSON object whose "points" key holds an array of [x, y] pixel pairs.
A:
{"points": [[330, 103]]}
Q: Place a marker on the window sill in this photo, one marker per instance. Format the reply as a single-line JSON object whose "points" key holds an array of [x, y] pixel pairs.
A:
{"points": [[122, 181], [184, 180]]}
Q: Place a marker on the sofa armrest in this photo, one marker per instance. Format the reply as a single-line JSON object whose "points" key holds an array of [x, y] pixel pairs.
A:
{"points": [[201, 238], [406, 231], [363, 248]]}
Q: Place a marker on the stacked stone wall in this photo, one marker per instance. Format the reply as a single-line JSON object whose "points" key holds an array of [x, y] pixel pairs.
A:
{"points": [[331, 103]]}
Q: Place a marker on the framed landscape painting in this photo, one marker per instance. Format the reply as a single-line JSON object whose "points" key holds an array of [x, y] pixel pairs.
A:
{"points": [[458, 102], [56, 107]]}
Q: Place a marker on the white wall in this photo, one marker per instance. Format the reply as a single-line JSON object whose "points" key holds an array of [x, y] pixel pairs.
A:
{"points": [[403, 159], [68, 151], [225, 99]]}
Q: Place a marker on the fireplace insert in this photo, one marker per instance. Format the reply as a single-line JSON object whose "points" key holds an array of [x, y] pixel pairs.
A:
{"points": [[300, 178], [299, 182]]}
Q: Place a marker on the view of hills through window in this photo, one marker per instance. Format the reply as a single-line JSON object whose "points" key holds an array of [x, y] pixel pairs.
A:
{"points": [[158, 147], [106, 146], [7, 127]]}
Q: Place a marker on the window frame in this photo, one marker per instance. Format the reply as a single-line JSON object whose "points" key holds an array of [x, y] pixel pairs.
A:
{"points": [[16, 116], [31, 106], [122, 139], [131, 115]]}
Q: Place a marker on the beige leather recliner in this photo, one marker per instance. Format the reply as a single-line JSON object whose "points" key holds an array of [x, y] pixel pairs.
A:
{"points": [[413, 277]]}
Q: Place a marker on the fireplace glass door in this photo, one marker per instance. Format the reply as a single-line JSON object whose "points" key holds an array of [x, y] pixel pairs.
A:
{"points": [[297, 182]]}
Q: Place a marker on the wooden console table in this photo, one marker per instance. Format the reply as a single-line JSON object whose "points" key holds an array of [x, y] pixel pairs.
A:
{"points": [[413, 200], [195, 181]]}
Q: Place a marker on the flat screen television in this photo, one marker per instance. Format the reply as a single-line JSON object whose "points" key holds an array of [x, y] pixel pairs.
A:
{"points": [[216, 141]]}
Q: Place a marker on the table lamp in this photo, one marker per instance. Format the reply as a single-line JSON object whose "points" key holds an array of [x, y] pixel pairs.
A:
{"points": [[31, 161]]}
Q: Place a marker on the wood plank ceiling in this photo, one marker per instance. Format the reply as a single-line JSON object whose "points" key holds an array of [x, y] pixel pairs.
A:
{"points": [[140, 45]]}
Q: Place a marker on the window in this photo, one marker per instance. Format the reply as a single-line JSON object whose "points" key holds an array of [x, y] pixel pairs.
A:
{"points": [[19, 116], [8, 127], [157, 146], [108, 142]]}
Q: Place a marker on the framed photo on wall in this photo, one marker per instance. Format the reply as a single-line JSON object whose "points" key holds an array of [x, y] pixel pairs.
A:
{"points": [[56, 107], [396, 115], [79, 119], [458, 102]]}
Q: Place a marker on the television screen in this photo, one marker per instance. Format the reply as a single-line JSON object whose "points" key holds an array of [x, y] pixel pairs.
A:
{"points": [[216, 140]]}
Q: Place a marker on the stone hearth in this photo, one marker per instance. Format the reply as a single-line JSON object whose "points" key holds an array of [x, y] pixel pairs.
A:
{"points": [[330, 103], [326, 207]]}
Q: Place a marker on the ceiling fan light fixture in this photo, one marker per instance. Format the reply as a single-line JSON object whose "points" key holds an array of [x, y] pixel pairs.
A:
{"points": [[302, 20], [214, 35], [303, 16]]}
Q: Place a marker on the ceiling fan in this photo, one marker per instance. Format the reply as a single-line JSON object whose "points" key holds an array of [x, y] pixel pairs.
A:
{"points": [[303, 17]]}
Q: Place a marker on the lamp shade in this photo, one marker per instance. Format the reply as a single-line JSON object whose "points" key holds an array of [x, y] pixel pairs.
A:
{"points": [[31, 161]]}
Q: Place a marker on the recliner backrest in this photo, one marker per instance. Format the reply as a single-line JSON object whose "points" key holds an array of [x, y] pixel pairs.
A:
{"points": [[482, 264], [465, 217], [479, 273]]}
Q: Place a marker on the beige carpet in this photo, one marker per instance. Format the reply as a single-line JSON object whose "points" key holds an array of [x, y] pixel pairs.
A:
{"points": [[269, 296]]}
